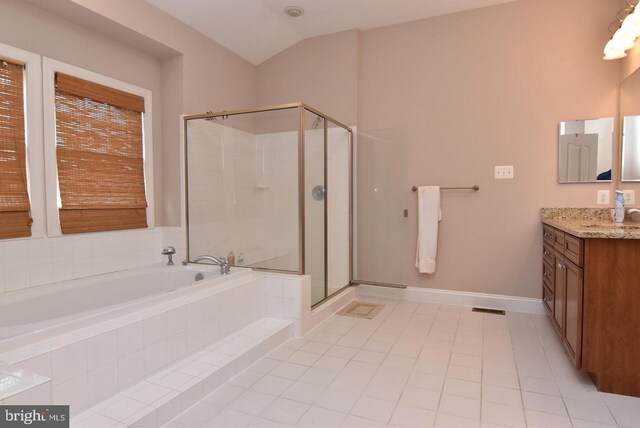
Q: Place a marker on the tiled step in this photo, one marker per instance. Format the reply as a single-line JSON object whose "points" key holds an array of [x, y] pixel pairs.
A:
{"points": [[155, 401]]}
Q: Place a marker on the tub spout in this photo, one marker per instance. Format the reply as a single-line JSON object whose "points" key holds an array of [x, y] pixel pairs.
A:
{"points": [[225, 269], [169, 252]]}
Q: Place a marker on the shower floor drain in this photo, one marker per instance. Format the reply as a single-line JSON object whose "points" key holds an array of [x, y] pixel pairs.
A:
{"points": [[360, 310]]}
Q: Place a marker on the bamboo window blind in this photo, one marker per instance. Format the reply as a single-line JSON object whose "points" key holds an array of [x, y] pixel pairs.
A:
{"points": [[15, 219], [99, 151]]}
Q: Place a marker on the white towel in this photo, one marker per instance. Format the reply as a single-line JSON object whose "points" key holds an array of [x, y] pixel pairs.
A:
{"points": [[429, 214]]}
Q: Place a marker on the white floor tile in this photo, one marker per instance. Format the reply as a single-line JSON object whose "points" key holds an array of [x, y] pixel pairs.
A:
{"points": [[445, 420], [500, 395], [285, 411], [537, 419], [338, 400], [422, 398], [462, 388], [460, 406], [319, 417], [590, 410], [252, 402], [358, 422], [272, 385], [503, 415], [303, 392], [414, 365], [373, 408], [229, 418], [413, 417], [289, 370], [544, 403]]}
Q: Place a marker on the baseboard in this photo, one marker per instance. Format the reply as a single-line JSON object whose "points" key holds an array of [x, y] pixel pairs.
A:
{"points": [[463, 298]]}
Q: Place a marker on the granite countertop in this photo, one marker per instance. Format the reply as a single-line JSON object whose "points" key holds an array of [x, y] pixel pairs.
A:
{"points": [[591, 223]]}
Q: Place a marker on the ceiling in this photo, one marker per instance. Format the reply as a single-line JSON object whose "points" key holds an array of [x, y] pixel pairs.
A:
{"points": [[258, 29]]}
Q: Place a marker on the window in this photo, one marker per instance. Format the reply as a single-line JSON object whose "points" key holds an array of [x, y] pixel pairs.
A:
{"points": [[21, 187], [15, 207], [100, 151]]}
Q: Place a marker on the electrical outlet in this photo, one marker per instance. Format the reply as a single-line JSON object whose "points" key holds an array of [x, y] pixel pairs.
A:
{"points": [[503, 172], [629, 197], [603, 197]]}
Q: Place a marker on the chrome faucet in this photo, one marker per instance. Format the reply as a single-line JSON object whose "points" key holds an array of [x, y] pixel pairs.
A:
{"points": [[225, 268], [169, 251]]}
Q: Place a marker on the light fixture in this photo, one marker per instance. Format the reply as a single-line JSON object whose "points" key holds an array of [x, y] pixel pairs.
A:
{"points": [[294, 11], [624, 38]]}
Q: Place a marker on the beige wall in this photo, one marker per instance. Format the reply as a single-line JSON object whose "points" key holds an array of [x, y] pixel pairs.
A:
{"points": [[321, 72], [64, 41], [471, 90], [485, 88], [213, 78], [474, 90]]}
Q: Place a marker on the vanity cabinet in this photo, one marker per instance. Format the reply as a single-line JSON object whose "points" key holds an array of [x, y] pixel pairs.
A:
{"points": [[562, 290], [591, 291]]}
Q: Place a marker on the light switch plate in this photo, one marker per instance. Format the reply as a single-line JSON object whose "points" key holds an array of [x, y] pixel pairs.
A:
{"points": [[503, 172], [603, 197], [629, 197]]}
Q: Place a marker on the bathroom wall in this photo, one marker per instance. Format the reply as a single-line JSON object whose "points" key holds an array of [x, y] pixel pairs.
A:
{"points": [[200, 76], [471, 91], [206, 76], [321, 72], [484, 88]]}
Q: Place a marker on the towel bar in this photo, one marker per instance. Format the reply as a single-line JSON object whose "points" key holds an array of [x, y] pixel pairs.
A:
{"points": [[474, 188]]}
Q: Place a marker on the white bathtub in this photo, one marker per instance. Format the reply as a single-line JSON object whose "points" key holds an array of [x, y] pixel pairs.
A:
{"points": [[27, 315]]}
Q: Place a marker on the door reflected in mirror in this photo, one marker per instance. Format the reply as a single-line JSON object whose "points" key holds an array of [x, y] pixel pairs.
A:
{"points": [[585, 151], [631, 148]]}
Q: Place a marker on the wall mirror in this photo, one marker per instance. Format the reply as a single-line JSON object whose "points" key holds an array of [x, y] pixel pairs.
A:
{"points": [[630, 113], [585, 151]]}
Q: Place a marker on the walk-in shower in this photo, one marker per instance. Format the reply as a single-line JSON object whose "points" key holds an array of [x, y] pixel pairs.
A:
{"points": [[271, 188]]}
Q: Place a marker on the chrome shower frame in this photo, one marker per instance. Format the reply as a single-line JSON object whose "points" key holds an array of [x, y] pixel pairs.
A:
{"points": [[301, 107]]}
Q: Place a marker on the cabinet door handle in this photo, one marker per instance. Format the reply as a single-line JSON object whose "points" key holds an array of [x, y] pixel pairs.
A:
{"points": [[561, 266], [547, 235], [546, 253]]}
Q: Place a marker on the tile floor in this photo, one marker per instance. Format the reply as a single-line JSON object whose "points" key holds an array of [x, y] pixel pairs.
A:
{"points": [[416, 365]]}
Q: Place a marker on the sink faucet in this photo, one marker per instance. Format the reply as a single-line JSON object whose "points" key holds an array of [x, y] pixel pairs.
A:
{"points": [[169, 251], [225, 269]]}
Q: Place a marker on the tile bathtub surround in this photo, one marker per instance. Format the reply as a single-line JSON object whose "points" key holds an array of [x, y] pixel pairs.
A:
{"points": [[156, 400], [34, 262], [416, 365], [91, 364]]}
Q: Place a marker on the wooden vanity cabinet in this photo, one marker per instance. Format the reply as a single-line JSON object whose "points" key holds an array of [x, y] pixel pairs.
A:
{"points": [[591, 291], [563, 285]]}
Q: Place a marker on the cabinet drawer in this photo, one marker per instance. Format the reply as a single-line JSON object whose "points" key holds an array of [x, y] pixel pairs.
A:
{"points": [[558, 240], [547, 299], [574, 249], [547, 254], [548, 272], [547, 233]]}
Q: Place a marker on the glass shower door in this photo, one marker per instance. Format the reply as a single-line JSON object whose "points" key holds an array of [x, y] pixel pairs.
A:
{"points": [[315, 205]]}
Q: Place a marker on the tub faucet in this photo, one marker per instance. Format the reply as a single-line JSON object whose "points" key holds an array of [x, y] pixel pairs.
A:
{"points": [[225, 269], [169, 251]]}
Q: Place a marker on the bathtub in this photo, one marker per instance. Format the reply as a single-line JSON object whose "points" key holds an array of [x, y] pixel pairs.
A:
{"points": [[32, 314]]}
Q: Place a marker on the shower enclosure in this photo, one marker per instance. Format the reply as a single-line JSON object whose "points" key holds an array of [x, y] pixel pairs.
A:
{"points": [[272, 189]]}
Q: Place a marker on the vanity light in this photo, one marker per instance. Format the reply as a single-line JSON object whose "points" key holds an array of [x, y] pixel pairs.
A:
{"points": [[625, 36]]}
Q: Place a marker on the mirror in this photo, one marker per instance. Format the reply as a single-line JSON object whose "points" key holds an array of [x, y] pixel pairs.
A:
{"points": [[630, 113], [585, 151]]}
